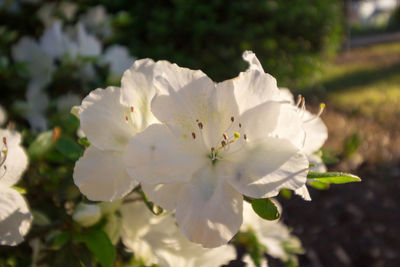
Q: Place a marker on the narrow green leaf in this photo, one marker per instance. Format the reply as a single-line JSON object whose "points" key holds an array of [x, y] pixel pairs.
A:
{"points": [[265, 208], [69, 148], [317, 184], [333, 177], [99, 244]]}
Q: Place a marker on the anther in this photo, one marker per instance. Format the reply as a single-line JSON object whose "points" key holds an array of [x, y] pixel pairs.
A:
{"points": [[194, 135], [240, 125], [5, 140], [223, 143], [126, 118], [245, 137], [299, 98], [225, 137], [212, 150], [236, 135], [200, 125], [232, 119], [132, 109], [197, 120]]}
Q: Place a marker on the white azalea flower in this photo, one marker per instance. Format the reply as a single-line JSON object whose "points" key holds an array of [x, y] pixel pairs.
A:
{"points": [[37, 104], [109, 123], [316, 135], [50, 12], [271, 234], [96, 20], [217, 143], [157, 239], [250, 263], [15, 218], [118, 58]]}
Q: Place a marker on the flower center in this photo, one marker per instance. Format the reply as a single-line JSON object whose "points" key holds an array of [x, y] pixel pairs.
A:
{"points": [[226, 140]]}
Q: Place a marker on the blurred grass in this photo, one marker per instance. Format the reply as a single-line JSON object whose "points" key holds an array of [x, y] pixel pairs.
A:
{"points": [[365, 81]]}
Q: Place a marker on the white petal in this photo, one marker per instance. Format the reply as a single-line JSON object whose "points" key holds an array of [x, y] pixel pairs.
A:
{"points": [[200, 101], [15, 218], [254, 87], [303, 192], [16, 160], [3, 115], [164, 195], [261, 170], [88, 45], [137, 91], [156, 156], [103, 119], [53, 41], [209, 210], [119, 59], [101, 176], [250, 263], [286, 95], [316, 133], [319, 165]]}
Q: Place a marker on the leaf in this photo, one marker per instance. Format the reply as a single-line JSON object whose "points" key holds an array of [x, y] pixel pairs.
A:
{"points": [[69, 148], [84, 142], [265, 208], [318, 185], [99, 244], [333, 177], [42, 144]]}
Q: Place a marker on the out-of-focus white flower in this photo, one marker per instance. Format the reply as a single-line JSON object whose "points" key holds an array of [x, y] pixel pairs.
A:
{"points": [[250, 263], [316, 135], [118, 58], [15, 217], [157, 239], [87, 214], [51, 12], [217, 143], [66, 102], [3, 116], [39, 64], [109, 124], [96, 20], [37, 104]]}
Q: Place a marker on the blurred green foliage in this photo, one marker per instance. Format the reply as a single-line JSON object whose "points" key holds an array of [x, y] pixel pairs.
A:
{"points": [[290, 37]]}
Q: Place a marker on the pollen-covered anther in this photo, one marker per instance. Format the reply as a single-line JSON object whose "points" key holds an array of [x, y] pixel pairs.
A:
{"points": [[236, 135], [194, 135], [200, 125], [321, 109]]}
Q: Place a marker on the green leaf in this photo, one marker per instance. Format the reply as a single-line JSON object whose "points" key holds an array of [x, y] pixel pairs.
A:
{"points": [[42, 144], [99, 244], [69, 148], [333, 177], [84, 142], [318, 185], [265, 208]]}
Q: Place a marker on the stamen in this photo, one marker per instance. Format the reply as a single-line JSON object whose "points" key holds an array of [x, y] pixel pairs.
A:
{"points": [[303, 103], [240, 125], [132, 109], [194, 135], [321, 109], [236, 135], [126, 117], [212, 150], [232, 119], [224, 135], [245, 137], [5, 140], [200, 125], [223, 143], [197, 120], [299, 98]]}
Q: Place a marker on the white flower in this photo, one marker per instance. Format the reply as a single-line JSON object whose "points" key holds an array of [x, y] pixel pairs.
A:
{"points": [[157, 239], [37, 103], [109, 123], [217, 143], [118, 58], [87, 214], [15, 218], [50, 12], [96, 20], [316, 135], [271, 234], [249, 262]]}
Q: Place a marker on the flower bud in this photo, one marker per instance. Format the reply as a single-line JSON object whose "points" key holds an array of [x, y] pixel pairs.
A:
{"points": [[87, 214]]}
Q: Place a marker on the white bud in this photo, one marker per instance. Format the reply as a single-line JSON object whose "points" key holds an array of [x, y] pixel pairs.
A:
{"points": [[87, 214]]}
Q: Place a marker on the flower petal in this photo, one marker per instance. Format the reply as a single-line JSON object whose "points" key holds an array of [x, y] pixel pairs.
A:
{"points": [[316, 133], [303, 192], [15, 218], [101, 176], [254, 86], [16, 160], [103, 119], [261, 170], [164, 195], [156, 156], [209, 210]]}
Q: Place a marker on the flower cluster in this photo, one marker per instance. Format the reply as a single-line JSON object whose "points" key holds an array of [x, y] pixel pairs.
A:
{"points": [[195, 146]]}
